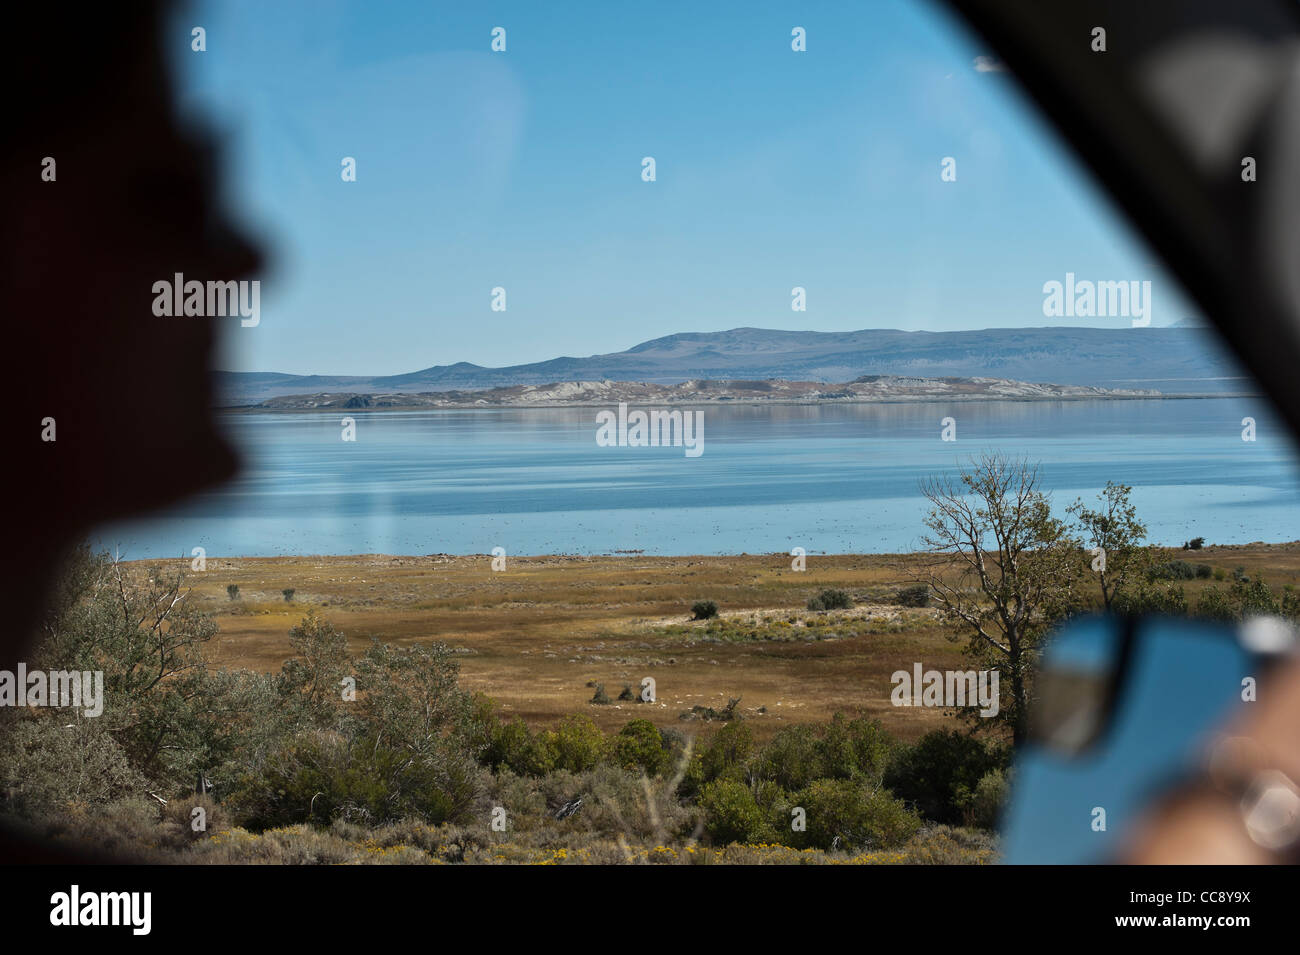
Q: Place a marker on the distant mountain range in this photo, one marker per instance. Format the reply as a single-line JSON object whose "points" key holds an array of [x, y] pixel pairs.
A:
{"points": [[1172, 360], [871, 388]]}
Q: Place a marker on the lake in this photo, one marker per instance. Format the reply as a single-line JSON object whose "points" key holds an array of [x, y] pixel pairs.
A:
{"points": [[829, 478]]}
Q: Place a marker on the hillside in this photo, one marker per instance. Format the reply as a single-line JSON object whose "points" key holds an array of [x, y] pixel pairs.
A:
{"points": [[1170, 360], [574, 393]]}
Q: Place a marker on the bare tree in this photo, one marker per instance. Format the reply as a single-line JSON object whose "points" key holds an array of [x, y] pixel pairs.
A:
{"points": [[999, 565]]}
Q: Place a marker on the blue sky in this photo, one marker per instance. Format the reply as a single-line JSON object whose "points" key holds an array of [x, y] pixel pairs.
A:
{"points": [[522, 170]]}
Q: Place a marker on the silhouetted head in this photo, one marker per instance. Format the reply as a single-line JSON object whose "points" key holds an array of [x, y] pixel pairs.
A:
{"points": [[129, 199]]}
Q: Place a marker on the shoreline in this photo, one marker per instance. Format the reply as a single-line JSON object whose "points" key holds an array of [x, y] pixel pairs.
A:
{"points": [[629, 555], [717, 402]]}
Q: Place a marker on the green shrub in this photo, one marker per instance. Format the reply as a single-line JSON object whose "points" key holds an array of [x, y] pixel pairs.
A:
{"points": [[1291, 603], [49, 761], [408, 746], [843, 749], [1255, 599], [578, 743], [638, 746], [1148, 597], [938, 770], [917, 595], [308, 682], [944, 845], [512, 746], [776, 805], [830, 600], [179, 819], [1214, 604], [731, 814], [1174, 570], [703, 610], [600, 698], [792, 758], [676, 744], [854, 814], [1204, 571], [539, 757], [983, 806], [1245, 598], [232, 591], [413, 702], [288, 593], [855, 749], [723, 756], [321, 776]]}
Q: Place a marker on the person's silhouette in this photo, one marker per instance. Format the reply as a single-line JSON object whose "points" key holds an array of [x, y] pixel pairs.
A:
{"points": [[105, 194]]}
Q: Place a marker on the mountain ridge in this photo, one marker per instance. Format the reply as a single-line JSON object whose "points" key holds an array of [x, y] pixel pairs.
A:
{"points": [[1187, 360], [869, 388]]}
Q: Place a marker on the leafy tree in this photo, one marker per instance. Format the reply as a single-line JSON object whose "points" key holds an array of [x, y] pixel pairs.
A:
{"points": [[238, 719], [410, 697], [410, 706], [1113, 536], [1016, 568], [310, 681]]}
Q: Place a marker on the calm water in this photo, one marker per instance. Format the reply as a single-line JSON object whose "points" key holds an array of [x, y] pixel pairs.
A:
{"points": [[833, 479]]}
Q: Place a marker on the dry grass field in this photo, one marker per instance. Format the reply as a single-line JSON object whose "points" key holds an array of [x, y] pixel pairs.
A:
{"points": [[536, 635]]}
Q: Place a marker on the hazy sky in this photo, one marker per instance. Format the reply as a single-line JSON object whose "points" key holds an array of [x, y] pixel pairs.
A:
{"points": [[522, 169]]}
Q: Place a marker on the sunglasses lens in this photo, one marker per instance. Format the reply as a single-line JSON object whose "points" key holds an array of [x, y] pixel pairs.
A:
{"points": [[1074, 684]]}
